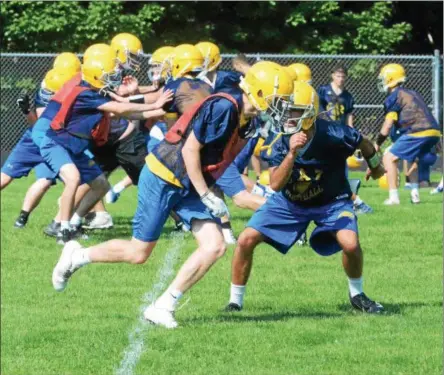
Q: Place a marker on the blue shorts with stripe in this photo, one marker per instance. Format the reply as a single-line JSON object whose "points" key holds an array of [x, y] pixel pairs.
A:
{"points": [[26, 156], [282, 223], [156, 199], [410, 147]]}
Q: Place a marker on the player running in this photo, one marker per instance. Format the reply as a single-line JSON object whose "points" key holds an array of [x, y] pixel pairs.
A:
{"points": [[307, 170], [419, 131]]}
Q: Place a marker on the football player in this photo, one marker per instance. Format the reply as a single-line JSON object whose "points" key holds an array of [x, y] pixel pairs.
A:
{"points": [[178, 175], [26, 155], [419, 131], [77, 115], [307, 171]]}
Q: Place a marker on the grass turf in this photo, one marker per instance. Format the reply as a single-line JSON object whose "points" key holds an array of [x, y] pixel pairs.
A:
{"points": [[297, 319]]}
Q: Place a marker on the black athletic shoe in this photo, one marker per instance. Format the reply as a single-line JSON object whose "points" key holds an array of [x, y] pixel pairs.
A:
{"points": [[302, 241], [52, 229], [78, 233], [21, 222], [63, 236], [233, 307], [362, 303]]}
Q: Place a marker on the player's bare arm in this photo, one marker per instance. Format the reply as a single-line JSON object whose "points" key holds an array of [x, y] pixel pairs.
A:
{"points": [[280, 175], [375, 170], [384, 133]]}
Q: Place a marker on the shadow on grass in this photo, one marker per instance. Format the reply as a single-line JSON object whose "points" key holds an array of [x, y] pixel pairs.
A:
{"points": [[394, 308]]}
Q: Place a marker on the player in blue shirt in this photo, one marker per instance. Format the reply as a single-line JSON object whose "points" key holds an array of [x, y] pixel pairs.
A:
{"points": [[338, 104], [26, 154], [178, 175], [84, 109], [416, 128], [307, 171]]}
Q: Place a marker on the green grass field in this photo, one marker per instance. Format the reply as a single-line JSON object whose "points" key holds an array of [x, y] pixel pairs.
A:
{"points": [[297, 319]]}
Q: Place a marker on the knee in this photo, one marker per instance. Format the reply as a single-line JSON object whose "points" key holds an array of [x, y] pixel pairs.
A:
{"points": [[216, 248], [388, 158], [140, 256], [351, 247], [101, 184], [247, 242]]}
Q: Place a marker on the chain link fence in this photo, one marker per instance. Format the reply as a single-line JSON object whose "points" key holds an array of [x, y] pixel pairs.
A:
{"points": [[25, 71]]}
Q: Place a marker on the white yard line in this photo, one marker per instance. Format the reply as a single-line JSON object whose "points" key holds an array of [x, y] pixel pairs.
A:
{"points": [[137, 337]]}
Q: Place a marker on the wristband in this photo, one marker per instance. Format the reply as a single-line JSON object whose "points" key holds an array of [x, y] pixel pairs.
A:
{"points": [[205, 194], [374, 161], [140, 99], [381, 139]]}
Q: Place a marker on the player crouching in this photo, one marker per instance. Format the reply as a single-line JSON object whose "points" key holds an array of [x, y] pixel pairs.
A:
{"points": [[307, 170]]}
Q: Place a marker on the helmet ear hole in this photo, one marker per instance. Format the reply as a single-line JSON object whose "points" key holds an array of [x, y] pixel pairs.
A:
{"points": [[260, 94]]}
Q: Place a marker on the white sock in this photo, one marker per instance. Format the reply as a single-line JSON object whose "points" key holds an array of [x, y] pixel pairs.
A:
{"points": [[64, 225], [441, 183], [169, 299], [415, 188], [393, 194], [237, 293], [76, 220], [357, 201], [119, 187], [355, 286], [81, 257]]}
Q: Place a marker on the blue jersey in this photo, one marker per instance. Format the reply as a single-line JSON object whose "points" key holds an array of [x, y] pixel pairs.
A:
{"points": [[318, 176], [409, 111], [187, 91], [337, 107], [82, 119]]}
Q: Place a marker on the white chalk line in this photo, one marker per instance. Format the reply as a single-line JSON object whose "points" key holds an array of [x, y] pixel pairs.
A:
{"points": [[137, 337]]}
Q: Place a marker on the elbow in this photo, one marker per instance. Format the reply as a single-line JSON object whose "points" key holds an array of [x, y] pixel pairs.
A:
{"points": [[275, 186]]}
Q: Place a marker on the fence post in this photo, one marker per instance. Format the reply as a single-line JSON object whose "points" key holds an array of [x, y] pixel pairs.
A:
{"points": [[436, 85]]}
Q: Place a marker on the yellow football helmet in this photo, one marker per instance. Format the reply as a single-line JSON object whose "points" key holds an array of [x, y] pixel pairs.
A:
{"points": [[67, 60], [129, 50], [303, 99], [302, 72], [186, 58], [264, 178], [264, 82], [160, 64], [53, 82], [95, 50], [390, 76], [211, 54], [101, 71]]}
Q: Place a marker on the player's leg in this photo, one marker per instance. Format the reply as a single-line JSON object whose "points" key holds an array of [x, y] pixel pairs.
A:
{"points": [[336, 230], [439, 189], [276, 224], [241, 266], [155, 198], [390, 164], [5, 180], [256, 164], [211, 247], [414, 182]]}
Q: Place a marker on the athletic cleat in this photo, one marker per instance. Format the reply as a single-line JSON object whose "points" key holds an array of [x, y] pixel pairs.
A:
{"points": [[160, 317], [229, 237], [111, 196], [391, 202], [63, 236], [181, 226], [232, 307], [52, 229], [414, 197], [78, 233], [437, 190], [302, 241], [362, 303], [362, 208], [64, 267], [21, 222], [100, 220]]}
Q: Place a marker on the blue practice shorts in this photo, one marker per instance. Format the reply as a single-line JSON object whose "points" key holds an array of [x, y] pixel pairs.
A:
{"points": [[24, 157], [56, 156], [156, 199], [408, 147], [282, 223], [231, 181]]}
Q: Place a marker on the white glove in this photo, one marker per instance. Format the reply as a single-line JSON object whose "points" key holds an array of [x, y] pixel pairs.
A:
{"points": [[216, 205]]}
